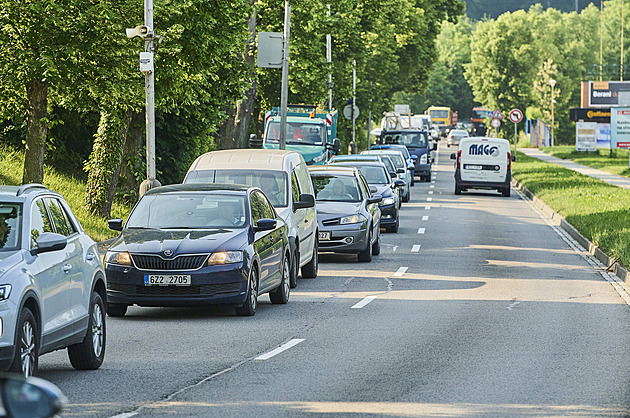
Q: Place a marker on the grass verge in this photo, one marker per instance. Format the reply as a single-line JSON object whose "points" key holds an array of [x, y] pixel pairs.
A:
{"points": [[600, 159], [598, 210], [72, 189]]}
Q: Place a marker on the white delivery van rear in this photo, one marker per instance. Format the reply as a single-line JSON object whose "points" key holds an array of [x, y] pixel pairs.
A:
{"points": [[483, 163]]}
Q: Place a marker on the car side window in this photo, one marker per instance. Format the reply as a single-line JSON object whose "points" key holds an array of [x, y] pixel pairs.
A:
{"points": [[40, 222], [258, 208], [268, 210], [60, 218], [365, 188], [295, 187], [304, 178]]}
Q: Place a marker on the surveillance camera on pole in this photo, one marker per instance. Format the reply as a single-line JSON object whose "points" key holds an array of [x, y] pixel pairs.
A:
{"points": [[142, 31]]}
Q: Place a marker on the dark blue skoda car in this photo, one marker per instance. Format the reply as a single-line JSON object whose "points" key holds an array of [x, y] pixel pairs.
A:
{"points": [[198, 244]]}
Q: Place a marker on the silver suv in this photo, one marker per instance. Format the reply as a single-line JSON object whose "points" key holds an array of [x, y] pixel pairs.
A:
{"points": [[52, 284]]}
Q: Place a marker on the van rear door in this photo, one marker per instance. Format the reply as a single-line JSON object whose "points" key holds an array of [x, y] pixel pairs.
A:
{"points": [[498, 157], [474, 161]]}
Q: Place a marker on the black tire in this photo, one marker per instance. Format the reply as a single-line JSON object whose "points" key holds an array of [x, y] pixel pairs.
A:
{"points": [[251, 300], [376, 247], [295, 269], [394, 228], [366, 255], [506, 192], [309, 271], [405, 199], [116, 310], [281, 294], [26, 344], [458, 189], [89, 353]]}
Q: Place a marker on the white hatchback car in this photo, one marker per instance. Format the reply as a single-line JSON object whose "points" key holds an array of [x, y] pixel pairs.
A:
{"points": [[455, 135], [284, 178]]}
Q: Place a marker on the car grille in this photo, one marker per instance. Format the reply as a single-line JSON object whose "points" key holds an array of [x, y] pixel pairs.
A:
{"points": [[330, 222], [183, 262], [206, 290]]}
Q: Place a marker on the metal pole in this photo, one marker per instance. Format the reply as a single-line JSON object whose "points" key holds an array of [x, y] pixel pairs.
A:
{"points": [[285, 76], [329, 60], [353, 146], [515, 139], [552, 116], [601, 39], [621, 67], [149, 90]]}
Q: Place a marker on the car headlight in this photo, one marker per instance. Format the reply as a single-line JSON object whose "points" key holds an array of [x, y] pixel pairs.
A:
{"points": [[423, 159], [5, 291], [387, 201], [319, 158], [115, 257], [225, 257], [352, 219]]}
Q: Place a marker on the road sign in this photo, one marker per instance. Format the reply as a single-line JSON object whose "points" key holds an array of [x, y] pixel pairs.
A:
{"points": [[347, 111], [497, 115], [516, 115], [496, 123]]}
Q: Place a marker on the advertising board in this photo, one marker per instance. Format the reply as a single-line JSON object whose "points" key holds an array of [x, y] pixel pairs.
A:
{"points": [[586, 136], [620, 127]]}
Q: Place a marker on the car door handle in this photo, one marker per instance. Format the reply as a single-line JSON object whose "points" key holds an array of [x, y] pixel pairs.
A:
{"points": [[67, 267], [90, 257]]}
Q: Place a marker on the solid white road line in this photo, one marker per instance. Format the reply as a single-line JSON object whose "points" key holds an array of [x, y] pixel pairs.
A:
{"points": [[421, 230], [425, 218], [400, 272], [280, 349], [415, 248], [364, 302]]}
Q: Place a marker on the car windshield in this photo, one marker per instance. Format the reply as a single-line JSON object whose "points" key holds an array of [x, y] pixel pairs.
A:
{"points": [[189, 211], [336, 188], [439, 113], [272, 183], [298, 133], [413, 139], [10, 226], [395, 157], [373, 174]]}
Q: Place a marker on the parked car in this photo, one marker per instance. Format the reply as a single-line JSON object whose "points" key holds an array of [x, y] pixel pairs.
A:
{"points": [[401, 166], [52, 284], [405, 151], [283, 177], [455, 136], [381, 183], [418, 143], [198, 244], [348, 214], [483, 163]]}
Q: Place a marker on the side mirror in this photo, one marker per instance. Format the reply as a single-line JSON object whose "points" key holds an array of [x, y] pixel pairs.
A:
{"points": [[115, 224], [399, 183], [513, 157], [336, 145], [306, 201], [30, 397], [400, 171], [254, 142], [373, 189], [265, 225], [453, 156], [434, 147], [377, 198], [49, 241]]}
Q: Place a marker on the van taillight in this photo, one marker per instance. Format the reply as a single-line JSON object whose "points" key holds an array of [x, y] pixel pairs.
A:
{"points": [[509, 162], [459, 158]]}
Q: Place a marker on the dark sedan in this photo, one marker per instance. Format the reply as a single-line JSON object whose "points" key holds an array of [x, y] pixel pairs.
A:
{"points": [[198, 244], [348, 214], [381, 183]]}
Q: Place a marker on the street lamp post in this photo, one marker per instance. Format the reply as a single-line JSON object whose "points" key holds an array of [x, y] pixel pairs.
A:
{"points": [[553, 84]]}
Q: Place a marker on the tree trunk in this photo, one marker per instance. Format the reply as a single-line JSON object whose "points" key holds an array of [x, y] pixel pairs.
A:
{"points": [[133, 167], [104, 163], [36, 131], [244, 107]]}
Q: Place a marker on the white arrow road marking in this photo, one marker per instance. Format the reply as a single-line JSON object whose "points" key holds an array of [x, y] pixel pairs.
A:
{"points": [[280, 349], [364, 302]]}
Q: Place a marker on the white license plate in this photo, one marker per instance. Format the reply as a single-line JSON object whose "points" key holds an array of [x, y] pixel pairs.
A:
{"points": [[167, 279], [473, 167], [324, 236]]}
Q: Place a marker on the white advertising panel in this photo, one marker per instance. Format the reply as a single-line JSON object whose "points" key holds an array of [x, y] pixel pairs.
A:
{"points": [[586, 136], [620, 127]]}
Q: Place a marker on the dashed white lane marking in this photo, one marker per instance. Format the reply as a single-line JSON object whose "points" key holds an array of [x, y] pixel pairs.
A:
{"points": [[364, 302], [430, 191], [395, 248], [400, 272], [427, 207], [415, 248], [126, 415], [425, 218], [429, 199], [283, 347], [421, 230], [433, 181], [432, 186], [513, 305]]}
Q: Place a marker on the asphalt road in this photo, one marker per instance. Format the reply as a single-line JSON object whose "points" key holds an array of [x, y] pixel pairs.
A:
{"points": [[476, 307]]}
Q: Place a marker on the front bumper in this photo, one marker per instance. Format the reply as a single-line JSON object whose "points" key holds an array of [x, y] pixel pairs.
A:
{"points": [[389, 214], [343, 240], [223, 284]]}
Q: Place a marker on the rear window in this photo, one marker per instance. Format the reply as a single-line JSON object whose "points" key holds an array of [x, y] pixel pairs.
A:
{"points": [[412, 139], [336, 188]]}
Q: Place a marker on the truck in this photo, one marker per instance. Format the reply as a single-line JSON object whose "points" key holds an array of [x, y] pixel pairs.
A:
{"points": [[478, 118], [441, 117], [312, 134]]}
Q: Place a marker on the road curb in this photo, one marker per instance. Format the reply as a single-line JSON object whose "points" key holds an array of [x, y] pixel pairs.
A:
{"points": [[557, 219]]}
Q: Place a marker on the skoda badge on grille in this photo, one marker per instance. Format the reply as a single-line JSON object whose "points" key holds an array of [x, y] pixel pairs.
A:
{"points": [[168, 253]]}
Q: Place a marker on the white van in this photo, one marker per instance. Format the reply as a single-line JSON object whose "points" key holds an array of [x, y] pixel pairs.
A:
{"points": [[284, 178], [483, 163]]}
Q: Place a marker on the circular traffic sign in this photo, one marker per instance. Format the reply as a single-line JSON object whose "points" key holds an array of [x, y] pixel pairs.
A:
{"points": [[347, 111], [496, 123], [516, 115]]}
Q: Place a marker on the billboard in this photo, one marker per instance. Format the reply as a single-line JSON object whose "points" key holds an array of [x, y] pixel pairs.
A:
{"points": [[586, 136], [620, 127], [608, 93]]}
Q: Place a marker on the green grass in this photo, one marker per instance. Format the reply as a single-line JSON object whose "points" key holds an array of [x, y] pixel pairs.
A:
{"points": [[72, 189], [601, 159], [598, 210]]}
